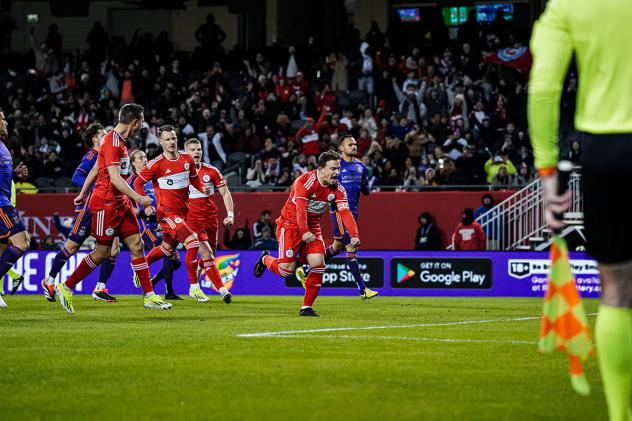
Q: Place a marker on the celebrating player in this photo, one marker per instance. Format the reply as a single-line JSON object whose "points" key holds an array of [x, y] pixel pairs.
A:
{"points": [[112, 211], [353, 178], [173, 172], [298, 227], [202, 218], [149, 227], [82, 223], [11, 225]]}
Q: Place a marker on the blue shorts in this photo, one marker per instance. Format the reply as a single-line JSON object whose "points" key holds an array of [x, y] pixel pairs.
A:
{"points": [[340, 231], [150, 237], [10, 222], [81, 226]]}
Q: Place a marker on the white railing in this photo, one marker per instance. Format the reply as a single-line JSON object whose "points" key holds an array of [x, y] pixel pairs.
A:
{"points": [[517, 223]]}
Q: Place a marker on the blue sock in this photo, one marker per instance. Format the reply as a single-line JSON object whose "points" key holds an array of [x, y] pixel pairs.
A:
{"points": [[354, 267], [329, 253], [8, 259], [107, 266], [60, 260], [167, 273]]}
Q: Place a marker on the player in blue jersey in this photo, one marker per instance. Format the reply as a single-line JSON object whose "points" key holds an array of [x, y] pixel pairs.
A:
{"points": [[11, 225], [149, 231], [82, 225], [353, 177]]}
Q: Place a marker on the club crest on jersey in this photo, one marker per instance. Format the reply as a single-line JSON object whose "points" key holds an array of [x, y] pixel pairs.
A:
{"points": [[109, 232], [289, 253], [206, 178], [178, 220], [187, 166], [331, 197]]}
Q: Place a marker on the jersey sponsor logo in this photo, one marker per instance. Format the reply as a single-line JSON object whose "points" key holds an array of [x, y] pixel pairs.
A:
{"points": [[174, 181], [196, 194], [109, 232], [316, 206], [125, 165], [187, 166]]}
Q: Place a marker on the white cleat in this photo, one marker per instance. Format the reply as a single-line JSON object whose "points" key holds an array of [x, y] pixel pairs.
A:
{"points": [[197, 294], [3, 304], [155, 302]]}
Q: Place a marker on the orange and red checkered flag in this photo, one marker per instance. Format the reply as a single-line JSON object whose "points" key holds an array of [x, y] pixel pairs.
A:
{"points": [[564, 324]]}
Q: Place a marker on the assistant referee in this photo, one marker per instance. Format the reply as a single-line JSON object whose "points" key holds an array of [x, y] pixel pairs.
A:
{"points": [[599, 34]]}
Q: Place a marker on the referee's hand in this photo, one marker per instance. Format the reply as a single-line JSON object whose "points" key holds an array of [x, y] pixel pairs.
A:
{"points": [[554, 204]]}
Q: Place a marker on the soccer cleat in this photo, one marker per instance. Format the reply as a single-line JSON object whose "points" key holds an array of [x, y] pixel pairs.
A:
{"points": [[65, 297], [16, 284], [173, 297], [367, 294], [156, 303], [136, 280], [259, 266], [227, 298], [49, 290], [2, 303], [308, 312], [301, 276], [102, 295], [197, 294]]}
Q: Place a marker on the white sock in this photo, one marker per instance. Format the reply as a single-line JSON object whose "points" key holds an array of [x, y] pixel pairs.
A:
{"points": [[50, 281], [223, 291], [194, 286], [150, 294], [99, 286]]}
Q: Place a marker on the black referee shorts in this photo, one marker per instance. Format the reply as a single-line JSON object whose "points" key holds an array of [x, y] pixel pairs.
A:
{"points": [[606, 182]]}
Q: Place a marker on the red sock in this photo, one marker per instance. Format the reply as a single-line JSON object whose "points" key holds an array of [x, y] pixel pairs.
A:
{"points": [[212, 273], [272, 264], [313, 284], [156, 254], [141, 267], [191, 262], [84, 269]]}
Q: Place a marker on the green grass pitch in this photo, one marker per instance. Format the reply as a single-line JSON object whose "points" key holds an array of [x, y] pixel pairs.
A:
{"points": [[120, 361]]}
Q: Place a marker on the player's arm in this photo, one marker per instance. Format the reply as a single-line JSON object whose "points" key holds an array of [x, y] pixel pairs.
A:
{"points": [[195, 180], [87, 184], [300, 198], [364, 187], [552, 49], [228, 204], [114, 171], [347, 216]]}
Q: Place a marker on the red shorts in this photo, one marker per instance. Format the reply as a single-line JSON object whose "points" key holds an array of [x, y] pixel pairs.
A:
{"points": [[174, 229], [292, 246], [206, 230], [109, 223]]}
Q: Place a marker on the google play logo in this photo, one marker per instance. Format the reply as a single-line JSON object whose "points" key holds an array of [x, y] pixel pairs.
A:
{"points": [[403, 273]]}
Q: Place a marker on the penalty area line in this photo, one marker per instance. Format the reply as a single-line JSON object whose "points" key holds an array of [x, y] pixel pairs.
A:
{"points": [[407, 338]]}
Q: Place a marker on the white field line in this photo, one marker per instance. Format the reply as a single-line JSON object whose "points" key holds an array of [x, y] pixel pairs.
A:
{"points": [[343, 329], [407, 338]]}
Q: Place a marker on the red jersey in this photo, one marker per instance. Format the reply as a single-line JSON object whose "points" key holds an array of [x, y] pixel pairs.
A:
{"points": [[309, 200], [112, 151], [470, 237], [171, 182], [202, 206]]}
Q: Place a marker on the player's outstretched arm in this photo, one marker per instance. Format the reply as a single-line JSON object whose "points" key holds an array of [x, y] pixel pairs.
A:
{"points": [[114, 172], [87, 184], [229, 205]]}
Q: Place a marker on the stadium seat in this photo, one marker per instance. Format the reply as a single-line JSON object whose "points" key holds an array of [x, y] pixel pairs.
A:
{"points": [[44, 182]]}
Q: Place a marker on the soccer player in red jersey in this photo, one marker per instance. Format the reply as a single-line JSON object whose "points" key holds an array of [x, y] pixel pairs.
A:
{"points": [[112, 211], [172, 173], [298, 227], [202, 218]]}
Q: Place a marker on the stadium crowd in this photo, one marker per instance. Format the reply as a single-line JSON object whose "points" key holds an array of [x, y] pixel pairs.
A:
{"points": [[422, 117]]}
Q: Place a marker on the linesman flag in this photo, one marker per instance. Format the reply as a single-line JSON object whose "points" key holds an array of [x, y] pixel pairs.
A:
{"points": [[564, 324]]}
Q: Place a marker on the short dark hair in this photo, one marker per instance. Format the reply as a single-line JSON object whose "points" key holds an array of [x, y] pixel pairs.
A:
{"points": [[344, 136], [266, 212], [165, 128], [327, 156], [90, 132], [192, 140], [130, 112]]}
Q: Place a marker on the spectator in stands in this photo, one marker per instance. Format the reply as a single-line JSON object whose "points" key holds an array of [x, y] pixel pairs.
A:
{"points": [[575, 154], [468, 235], [493, 165], [490, 217], [241, 238], [503, 178], [48, 243], [428, 236], [263, 222], [210, 35], [53, 167], [266, 241], [524, 176]]}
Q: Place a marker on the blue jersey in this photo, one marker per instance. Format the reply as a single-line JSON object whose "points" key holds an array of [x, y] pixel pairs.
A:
{"points": [[353, 177], [6, 175], [82, 171], [149, 191]]}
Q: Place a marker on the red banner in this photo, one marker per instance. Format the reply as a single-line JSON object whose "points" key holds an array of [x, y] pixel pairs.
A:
{"points": [[387, 221]]}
